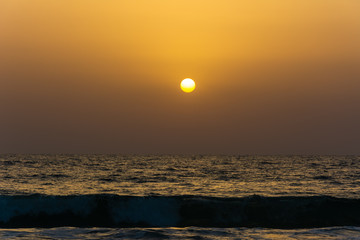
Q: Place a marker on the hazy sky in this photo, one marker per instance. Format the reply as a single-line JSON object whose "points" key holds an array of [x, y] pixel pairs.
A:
{"points": [[273, 77]]}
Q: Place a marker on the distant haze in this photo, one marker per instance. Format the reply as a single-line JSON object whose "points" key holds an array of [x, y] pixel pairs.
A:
{"points": [[272, 77]]}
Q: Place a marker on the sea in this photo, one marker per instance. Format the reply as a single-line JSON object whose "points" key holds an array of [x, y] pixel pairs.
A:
{"points": [[179, 197]]}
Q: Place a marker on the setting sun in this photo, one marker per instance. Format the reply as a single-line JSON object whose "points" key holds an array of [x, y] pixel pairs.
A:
{"points": [[187, 85], [101, 126]]}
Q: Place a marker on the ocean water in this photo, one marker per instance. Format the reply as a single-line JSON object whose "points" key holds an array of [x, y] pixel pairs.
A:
{"points": [[179, 197]]}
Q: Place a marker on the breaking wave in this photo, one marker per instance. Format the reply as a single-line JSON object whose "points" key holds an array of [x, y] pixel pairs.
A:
{"points": [[105, 210]]}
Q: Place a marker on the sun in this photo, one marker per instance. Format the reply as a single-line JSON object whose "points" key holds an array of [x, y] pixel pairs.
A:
{"points": [[187, 85]]}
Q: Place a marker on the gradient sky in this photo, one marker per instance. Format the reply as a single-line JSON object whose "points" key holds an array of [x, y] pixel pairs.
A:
{"points": [[273, 77]]}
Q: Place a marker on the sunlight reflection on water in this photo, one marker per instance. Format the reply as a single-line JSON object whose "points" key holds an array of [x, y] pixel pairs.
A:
{"points": [[220, 176]]}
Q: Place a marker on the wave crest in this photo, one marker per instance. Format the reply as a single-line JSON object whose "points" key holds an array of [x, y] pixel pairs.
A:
{"points": [[177, 211]]}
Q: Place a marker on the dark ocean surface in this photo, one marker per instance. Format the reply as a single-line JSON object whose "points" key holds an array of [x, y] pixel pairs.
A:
{"points": [[179, 197]]}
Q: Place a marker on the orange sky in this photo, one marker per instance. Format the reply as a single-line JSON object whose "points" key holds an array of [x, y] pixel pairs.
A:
{"points": [[87, 76]]}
